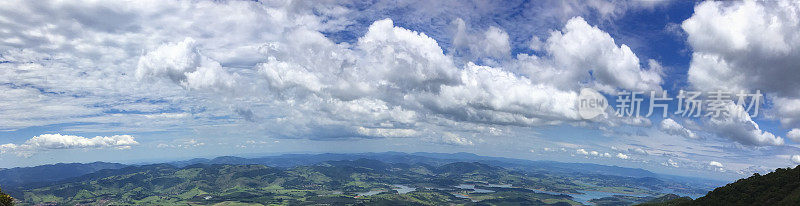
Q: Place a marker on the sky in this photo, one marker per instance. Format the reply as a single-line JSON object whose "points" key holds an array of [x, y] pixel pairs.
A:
{"points": [[149, 81]]}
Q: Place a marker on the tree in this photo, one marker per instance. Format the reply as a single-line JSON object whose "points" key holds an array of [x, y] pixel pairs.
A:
{"points": [[5, 200]]}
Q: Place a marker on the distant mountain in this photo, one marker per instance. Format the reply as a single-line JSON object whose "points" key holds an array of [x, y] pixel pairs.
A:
{"points": [[13, 177], [342, 182], [611, 175], [552, 166], [291, 160], [431, 163]]}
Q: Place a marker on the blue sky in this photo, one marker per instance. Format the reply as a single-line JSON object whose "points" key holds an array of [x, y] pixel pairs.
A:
{"points": [[154, 81]]}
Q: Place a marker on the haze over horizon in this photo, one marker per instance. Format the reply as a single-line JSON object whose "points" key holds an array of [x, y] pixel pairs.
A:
{"points": [[137, 81]]}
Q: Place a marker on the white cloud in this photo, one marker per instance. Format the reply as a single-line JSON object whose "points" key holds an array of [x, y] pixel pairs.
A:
{"points": [[795, 159], [762, 41], [144, 60], [580, 48], [71, 65], [492, 95], [716, 166], [7, 147], [492, 43], [387, 132], [638, 151], [184, 143], [739, 127], [453, 139], [788, 110], [182, 63], [748, 45], [582, 151], [754, 169], [282, 75], [166, 115], [59, 141], [672, 127], [622, 156], [405, 59], [794, 135], [191, 143], [671, 163]]}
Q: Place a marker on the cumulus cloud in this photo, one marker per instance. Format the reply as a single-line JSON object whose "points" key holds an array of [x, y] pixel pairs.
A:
{"points": [[637, 151], [795, 159], [580, 48], [184, 143], [182, 63], [715, 164], [755, 169], [671, 163], [492, 95], [59, 141], [794, 135], [277, 65], [788, 110], [72, 65], [739, 127], [532, 17], [622, 156], [408, 70], [387, 132], [582, 151], [672, 127], [191, 143], [453, 139], [761, 50], [493, 43], [758, 51]]}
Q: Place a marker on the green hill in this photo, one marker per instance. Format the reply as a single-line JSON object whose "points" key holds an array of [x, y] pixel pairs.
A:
{"points": [[781, 187], [360, 181]]}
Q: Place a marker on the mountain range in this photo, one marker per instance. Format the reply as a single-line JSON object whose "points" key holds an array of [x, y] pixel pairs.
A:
{"points": [[342, 178]]}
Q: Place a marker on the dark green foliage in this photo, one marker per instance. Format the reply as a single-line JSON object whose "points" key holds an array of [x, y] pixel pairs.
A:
{"points": [[668, 200], [511, 202], [672, 202], [5, 200], [781, 187]]}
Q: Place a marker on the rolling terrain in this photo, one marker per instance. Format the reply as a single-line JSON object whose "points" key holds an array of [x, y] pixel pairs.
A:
{"points": [[367, 178]]}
